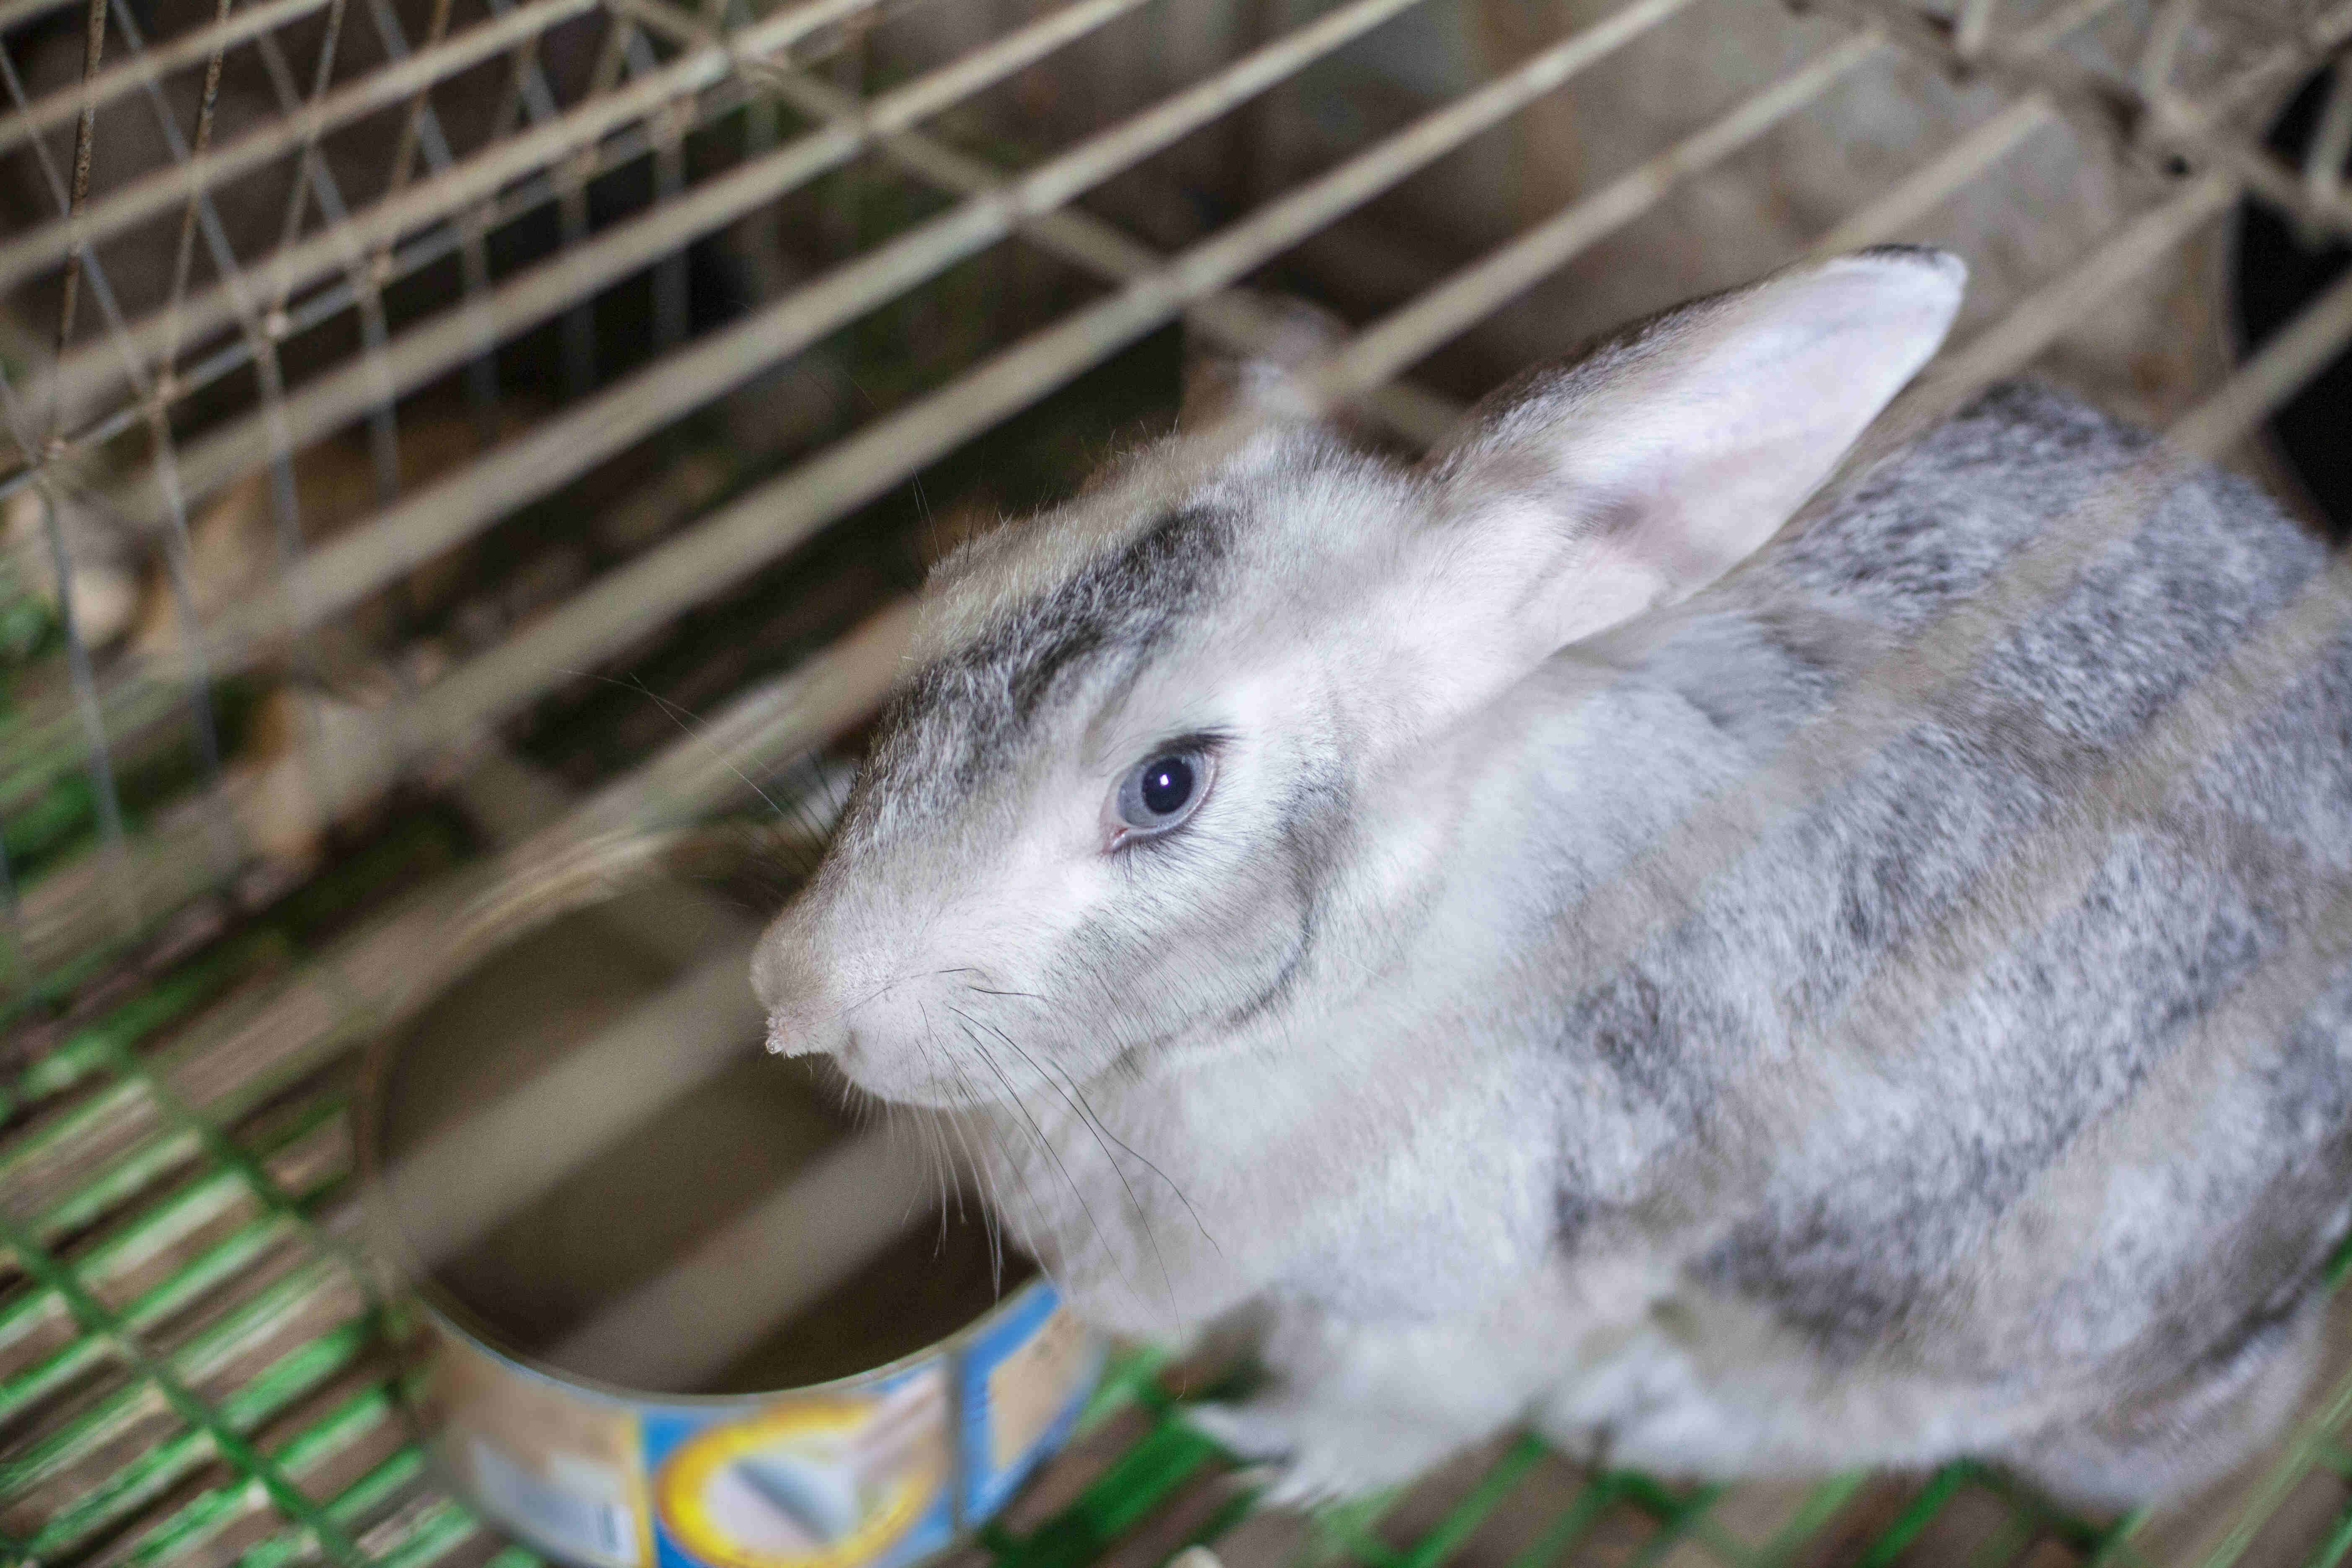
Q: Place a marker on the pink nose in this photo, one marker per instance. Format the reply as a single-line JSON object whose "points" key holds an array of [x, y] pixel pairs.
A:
{"points": [[804, 1016], [791, 1033]]}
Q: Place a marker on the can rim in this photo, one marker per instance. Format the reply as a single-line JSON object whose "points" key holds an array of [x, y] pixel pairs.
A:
{"points": [[389, 1240], [450, 1315]]}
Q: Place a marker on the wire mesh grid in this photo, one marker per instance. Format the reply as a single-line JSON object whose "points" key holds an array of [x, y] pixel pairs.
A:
{"points": [[331, 328]]}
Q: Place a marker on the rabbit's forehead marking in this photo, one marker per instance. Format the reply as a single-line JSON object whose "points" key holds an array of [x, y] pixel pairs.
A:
{"points": [[971, 708]]}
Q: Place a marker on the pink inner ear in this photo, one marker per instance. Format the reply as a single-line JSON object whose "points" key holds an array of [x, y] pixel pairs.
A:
{"points": [[1635, 479], [1651, 534]]}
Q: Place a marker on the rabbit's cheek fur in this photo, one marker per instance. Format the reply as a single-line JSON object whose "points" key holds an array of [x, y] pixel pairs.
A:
{"points": [[1192, 934]]}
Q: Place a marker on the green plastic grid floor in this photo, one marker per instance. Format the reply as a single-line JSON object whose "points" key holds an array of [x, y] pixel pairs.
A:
{"points": [[194, 1369]]}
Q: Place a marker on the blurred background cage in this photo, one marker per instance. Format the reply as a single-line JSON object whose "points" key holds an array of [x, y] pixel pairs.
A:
{"points": [[443, 439]]}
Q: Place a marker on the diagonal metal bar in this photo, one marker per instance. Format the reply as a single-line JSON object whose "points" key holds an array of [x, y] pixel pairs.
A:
{"points": [[55, 916], [832, 484], [763, 524], [14, 14], [76, 206], [91, 376], [2329, 157], [572, 134], [121, 900], [153, 63], [1070, 233], [143, 198], [1974, 25], [2049, 870], [540, 293], [183, 259], [2163, 121], [1925, 189], [1379, 354], [453, 510], [1884, 700]]}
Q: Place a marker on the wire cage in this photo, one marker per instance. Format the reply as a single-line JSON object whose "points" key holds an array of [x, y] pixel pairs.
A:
{"points": [[444, 438]]}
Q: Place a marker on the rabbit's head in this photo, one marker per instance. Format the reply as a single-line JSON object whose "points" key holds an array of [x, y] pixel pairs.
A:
{"points": [[1149, 732]]}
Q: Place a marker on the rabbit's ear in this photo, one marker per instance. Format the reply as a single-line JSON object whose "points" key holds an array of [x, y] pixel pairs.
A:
{"points": [[1221, 387], [1643, 473]]}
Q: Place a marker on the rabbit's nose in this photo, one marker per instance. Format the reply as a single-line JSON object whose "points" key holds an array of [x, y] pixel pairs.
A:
{"points": [[792, 1032], [805, 1018]]}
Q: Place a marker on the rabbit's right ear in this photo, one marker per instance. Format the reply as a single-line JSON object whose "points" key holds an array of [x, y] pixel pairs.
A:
{"points": [[1631, 479], [1221, 387]]}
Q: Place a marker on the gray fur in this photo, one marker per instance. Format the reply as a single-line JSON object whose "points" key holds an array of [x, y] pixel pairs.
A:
{"points": [[971, 709], [1996, 1101]]}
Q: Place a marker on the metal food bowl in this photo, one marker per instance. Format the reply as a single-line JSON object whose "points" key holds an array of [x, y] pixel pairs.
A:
{"points": [[676, 1308]]}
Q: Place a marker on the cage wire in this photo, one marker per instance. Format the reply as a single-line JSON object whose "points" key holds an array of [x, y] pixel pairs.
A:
{"points": [[456, 444]]}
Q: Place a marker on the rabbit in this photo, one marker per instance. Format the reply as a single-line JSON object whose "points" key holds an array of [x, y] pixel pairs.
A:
{"points": [[1224, 870]]}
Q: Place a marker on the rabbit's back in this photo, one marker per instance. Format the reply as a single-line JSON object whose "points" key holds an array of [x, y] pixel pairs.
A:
{"points": [[2032, 1069]]}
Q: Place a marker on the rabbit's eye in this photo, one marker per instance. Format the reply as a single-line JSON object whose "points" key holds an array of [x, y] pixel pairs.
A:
{"points": [[1167, 784], [1158, 793]]}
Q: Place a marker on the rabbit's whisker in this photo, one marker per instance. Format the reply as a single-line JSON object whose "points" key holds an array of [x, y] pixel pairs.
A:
{"points": [[1142, 1219], [1088, 1113], [988, 1061]]}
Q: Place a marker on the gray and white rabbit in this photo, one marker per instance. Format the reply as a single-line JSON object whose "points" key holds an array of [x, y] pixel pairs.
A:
{"points": [[1229, 867]]}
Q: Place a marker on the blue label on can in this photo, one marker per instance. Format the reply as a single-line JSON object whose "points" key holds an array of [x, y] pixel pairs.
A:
{"points": [[1024, 1377], [854, 1479]]}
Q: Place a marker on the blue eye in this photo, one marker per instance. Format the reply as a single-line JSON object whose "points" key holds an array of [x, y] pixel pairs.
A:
{"points": [[1158, 793], [1167, 785]]}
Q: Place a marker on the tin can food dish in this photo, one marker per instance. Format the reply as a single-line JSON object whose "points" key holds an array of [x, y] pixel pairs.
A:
{"points": [[693, 1329]]}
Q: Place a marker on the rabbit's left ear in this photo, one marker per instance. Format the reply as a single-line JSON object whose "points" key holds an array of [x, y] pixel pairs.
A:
{"points": [[1641, 474], [1221, 387]]}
